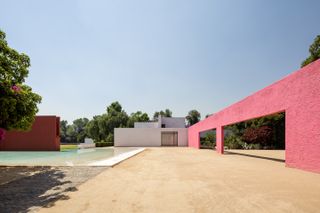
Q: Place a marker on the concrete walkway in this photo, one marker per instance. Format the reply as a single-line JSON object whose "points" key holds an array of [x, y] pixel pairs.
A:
{"points": [[191, 180]]}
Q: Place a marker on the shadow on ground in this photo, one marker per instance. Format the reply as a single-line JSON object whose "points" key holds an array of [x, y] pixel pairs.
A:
{"points": [[24, 189], [30, 190], [254, 156]]}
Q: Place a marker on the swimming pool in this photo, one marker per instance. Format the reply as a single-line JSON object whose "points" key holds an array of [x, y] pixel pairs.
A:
{"points": [[106, 156]]}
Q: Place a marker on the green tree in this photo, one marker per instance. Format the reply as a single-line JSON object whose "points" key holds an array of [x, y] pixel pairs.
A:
{"points": [[18, 104], [137, 117], [110, 138], [71, 134], [102, 127], [165, 113], [63, 130], [208, 139], [74, 133], [193, 117], [116, 117], [92, 129], [114, 108], [79, 127], [314, 51]]}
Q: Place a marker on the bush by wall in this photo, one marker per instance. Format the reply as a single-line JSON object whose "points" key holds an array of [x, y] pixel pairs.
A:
{"points": [[234, 142], [103, 144], [260, 133]]}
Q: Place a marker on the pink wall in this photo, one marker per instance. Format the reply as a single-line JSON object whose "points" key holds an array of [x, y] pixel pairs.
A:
{"points": [[43, 136], [299, 96]]}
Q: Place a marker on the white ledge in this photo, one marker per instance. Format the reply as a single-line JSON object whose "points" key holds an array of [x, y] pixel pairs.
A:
{"points": [[117, 159]]}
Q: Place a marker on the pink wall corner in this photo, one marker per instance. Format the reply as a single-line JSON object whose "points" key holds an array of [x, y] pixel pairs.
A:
{"points": [[193, 138], [298, 95]]}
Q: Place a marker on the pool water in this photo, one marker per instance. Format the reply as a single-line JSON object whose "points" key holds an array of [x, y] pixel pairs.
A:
{"points": [[80, 157]]}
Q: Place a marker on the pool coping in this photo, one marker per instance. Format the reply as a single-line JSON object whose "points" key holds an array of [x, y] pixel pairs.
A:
{"points": [[110, 162], [106, 162]]}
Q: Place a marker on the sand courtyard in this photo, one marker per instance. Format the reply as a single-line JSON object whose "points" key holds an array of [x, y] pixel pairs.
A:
{"points": [[192, 180]]}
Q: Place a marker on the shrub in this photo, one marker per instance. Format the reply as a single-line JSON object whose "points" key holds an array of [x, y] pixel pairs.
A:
{"points": [[103, 144], [260, 135], [233, 142], [207, 144], [250, 146], [110, 138], [256, 146], [209, 141]]}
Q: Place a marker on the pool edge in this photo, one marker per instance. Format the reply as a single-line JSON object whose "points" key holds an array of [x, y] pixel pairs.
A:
{"points": [[111, 162]]}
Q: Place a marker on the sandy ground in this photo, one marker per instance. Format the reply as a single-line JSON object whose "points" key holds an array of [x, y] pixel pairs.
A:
{"points": [[191, 180]]}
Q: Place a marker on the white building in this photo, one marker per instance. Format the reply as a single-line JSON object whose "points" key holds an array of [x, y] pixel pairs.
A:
{"points": [[164, 132]]}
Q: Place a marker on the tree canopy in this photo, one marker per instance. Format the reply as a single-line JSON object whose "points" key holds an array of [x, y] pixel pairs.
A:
{"points": [[18, 104], [165, 113], [314, 51], [76, 132], [137, 117], [101, 127], [63, 130], [193, 117]]}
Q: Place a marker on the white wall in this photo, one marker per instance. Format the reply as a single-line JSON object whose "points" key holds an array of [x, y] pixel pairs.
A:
{"points": [[182, 136], [146, 136], [174, 122], [146, 125]]}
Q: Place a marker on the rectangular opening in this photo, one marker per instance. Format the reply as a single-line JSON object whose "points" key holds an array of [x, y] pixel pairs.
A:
{"points": [[208, 139], [262, 137], [169, 138]]}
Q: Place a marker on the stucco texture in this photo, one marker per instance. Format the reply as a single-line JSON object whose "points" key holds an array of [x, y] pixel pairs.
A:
{"points": [[298, 95]]}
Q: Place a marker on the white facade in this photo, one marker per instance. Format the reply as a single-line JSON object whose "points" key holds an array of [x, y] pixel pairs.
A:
{"points": [[151, 133], [146, 124], [163, 122], [172, 122], [144, 137]]}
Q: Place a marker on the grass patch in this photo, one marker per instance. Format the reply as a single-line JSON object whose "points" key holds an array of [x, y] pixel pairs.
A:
{"points": [[68, 147]]}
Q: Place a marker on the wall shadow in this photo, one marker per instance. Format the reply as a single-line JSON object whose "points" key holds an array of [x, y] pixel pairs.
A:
{"points": [[254, 156], [28, 191]]}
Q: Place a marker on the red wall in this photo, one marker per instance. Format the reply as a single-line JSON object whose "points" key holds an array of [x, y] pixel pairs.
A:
{"points": [[44, 136], [298, 95]]}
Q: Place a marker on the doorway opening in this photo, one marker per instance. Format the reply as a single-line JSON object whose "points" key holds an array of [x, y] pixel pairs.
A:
{"points": [[169, 138]]}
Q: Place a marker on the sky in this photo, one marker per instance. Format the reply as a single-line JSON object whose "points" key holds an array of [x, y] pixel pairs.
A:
{"points": [[156, 54]]}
